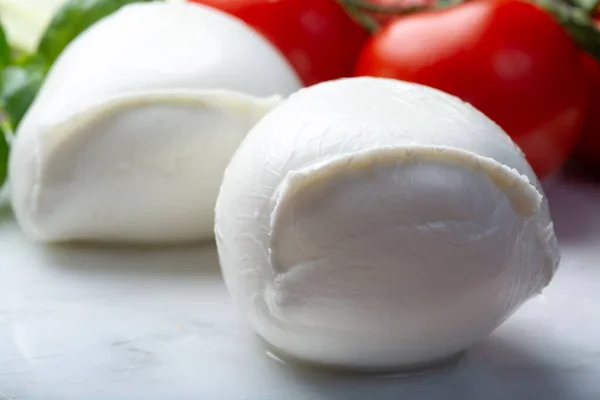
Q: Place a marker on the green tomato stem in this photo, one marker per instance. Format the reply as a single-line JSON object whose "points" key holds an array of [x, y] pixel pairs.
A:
{"points": [[364, 5], [578, 24], [589, 6], [365, 20]]}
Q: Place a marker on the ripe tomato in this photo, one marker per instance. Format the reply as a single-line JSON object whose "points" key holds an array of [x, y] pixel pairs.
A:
{"points": [[588, 149], [508, 58], [317, 36]]}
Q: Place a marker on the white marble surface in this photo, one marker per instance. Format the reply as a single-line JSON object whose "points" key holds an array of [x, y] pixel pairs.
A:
{"points": [[132, 324]]}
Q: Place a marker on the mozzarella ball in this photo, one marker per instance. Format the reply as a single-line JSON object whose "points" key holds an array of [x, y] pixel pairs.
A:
{"points": [[130, 134], [374, 224]]}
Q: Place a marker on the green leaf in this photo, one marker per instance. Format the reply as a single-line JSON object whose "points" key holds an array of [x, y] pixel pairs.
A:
{"points": [[4, 49], [588, 6], [3, 157], [20, 85], [71, 19]]}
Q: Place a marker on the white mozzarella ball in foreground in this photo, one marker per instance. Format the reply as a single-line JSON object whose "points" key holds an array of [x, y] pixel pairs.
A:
{"points": [[372, 224], [136, 122]]}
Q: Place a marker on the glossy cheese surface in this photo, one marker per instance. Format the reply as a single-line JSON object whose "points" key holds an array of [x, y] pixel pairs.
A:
{"points": [[136, 121], [370, 223]]}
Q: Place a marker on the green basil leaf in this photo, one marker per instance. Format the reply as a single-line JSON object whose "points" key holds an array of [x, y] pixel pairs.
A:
{"points": [[71, 19], [3, 156], [20, 85], [588, 6], [4, 50]]}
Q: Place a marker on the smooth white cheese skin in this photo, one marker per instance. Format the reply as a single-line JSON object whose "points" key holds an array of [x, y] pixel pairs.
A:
{"points": [[136, 122], [374, 224]]}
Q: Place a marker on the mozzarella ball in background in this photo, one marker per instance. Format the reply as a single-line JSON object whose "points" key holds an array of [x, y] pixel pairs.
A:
{"points": [[130, 134], [373, 224]]}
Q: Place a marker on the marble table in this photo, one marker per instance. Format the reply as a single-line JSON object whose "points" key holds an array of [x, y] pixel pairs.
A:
{"points": [[85, 323]]}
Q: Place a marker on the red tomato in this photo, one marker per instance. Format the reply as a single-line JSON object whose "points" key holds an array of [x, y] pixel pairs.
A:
{"points": [[317, 36], [508, 58], [588, 149]]}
